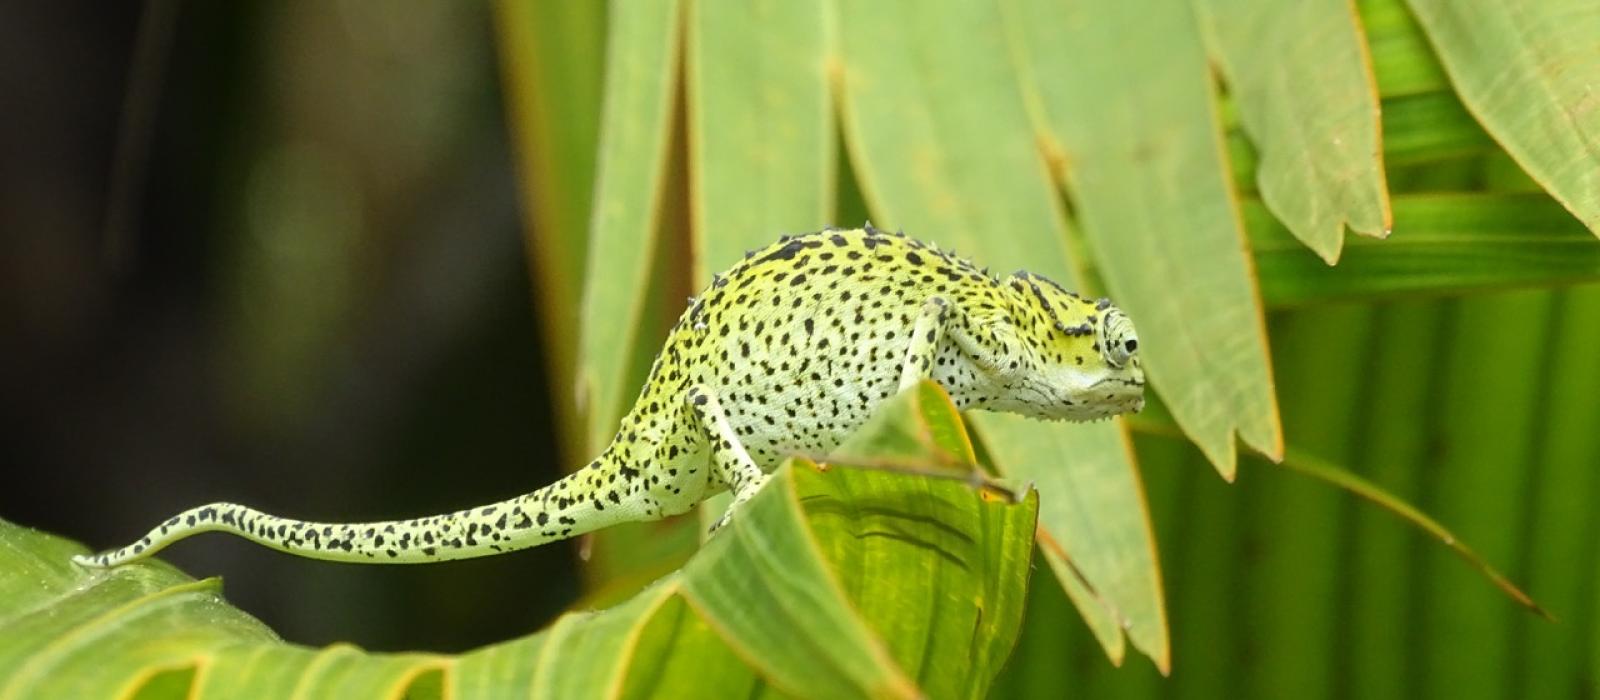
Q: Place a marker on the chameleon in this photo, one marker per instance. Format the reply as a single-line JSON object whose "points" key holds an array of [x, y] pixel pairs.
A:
{"points": [[786, 352]]}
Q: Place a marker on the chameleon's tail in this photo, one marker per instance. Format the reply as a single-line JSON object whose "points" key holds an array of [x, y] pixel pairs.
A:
{"points": [[558, 511]]}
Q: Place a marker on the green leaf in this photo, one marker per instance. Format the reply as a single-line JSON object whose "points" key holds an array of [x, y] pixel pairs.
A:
{"points": [[641, 58], [1526, 70], [1442, 243], [550, 56], [1143, 163], [1419, 131], [761, 132], [834, 581], [937, 128], [1095, 528], [1300, 76]]}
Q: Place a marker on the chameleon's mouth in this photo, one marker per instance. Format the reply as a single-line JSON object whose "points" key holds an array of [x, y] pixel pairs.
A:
{"points": [[1118, 395], [1102, 400]]}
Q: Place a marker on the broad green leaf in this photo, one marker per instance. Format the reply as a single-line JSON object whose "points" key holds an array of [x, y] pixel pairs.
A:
{"points": [[761, 132], [550, 57], [677, 652], [1442, 243], [641, 66], [1300, 76], [937, 130], [767, 601], [1418, 130], [936, 125], [1096, 527], [1564, 503], [835, 581], [1526, 69], [1042, 665], [635, 254], [1143, 165], [977, 545]]}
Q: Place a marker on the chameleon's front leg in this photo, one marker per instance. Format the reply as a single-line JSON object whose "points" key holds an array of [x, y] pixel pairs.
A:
{"points": [[730, 462], [925, 337]]}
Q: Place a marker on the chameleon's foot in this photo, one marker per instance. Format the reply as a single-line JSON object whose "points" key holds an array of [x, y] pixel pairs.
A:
{"points": [[739, 499]]}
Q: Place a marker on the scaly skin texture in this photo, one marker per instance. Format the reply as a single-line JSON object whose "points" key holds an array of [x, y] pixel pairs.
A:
{"points": [[787, 352]]}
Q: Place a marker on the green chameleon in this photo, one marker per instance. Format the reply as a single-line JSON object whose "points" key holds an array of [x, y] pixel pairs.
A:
{"points": [[787, 352]]}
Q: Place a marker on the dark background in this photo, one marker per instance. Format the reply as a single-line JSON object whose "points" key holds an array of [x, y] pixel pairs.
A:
{"points": [[248, 254]]}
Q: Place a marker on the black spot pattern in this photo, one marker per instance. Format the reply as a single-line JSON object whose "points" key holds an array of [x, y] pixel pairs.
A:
{"points": [[786, 352]]}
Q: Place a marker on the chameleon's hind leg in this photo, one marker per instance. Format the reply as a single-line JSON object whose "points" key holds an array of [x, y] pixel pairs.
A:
{"points": [[925, 337], [730, 462]]}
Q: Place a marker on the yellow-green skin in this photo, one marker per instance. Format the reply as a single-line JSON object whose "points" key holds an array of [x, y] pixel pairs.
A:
{"points": [[787, 352]]}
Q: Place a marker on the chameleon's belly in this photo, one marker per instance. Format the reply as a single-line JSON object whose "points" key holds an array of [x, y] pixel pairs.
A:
{"points": [[806, 395], [808, 404], [806, 419]]}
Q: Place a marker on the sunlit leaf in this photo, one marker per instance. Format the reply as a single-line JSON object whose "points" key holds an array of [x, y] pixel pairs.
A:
{"points": [[1095, 526], [550, 54], [642, 55], [1300, 76], [1143, 164], [1526, 69], [761, 134]]}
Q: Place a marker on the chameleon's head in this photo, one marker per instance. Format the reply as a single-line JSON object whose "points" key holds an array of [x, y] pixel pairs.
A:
{"points": [[1073, 358]]}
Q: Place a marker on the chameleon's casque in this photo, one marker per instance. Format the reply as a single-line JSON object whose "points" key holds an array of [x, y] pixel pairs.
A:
{"points": [[787, 352]]}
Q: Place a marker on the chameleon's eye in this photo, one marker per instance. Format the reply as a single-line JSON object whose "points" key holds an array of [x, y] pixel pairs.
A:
{"points": [[1118, 342], [1118, 351]]}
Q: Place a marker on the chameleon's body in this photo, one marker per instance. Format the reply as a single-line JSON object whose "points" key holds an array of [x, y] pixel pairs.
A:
{"points": [[787, 352]]}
